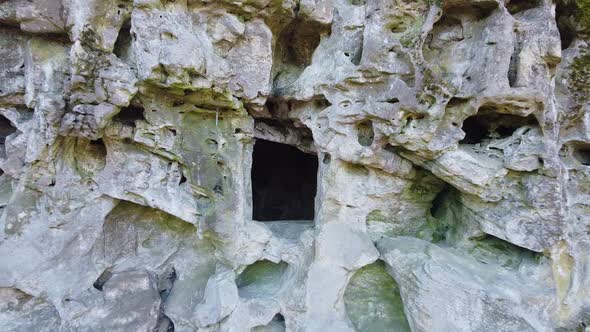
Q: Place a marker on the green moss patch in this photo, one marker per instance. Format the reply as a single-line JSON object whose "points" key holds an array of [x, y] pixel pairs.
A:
{"points": [[373, 301]]}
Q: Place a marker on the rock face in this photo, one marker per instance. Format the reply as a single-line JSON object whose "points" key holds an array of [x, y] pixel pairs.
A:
{"points": [[295, 165]]}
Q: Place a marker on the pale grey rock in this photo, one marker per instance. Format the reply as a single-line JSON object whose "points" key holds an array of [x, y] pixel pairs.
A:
{"points": [[42, 16], [22, 312], [425, 272], [220, 299], [12, 78], [452, 142]]}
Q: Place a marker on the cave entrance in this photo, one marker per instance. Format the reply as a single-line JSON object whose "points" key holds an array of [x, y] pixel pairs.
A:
{"points": [[284, 182]]}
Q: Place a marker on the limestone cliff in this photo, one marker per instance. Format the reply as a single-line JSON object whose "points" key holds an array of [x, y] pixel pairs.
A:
{"points": [[295, 165]]}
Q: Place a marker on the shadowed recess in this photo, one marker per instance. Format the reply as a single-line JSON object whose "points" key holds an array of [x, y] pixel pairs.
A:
{"points": [[122, 48], [517, 6], [277, 324], [294, 51], [582, 154], [284, 182], [373, 302], [567, 17], [261, 279], [128, 115], [365, 133], [6, 129], [490, 125]]}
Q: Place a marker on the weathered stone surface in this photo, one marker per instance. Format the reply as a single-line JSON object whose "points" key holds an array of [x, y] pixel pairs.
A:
{"points": [[450, 191]]}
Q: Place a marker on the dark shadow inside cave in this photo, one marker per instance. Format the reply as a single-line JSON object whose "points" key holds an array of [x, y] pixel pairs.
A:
{"points": [[566, 16], [129, 115], [294, 51], [6, 129], [489, 124], [582, 154], [284, 182]]}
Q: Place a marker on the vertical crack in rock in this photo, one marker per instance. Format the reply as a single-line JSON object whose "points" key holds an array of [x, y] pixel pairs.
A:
{"points": [[123, 45], [514, 60], [165, 283]]}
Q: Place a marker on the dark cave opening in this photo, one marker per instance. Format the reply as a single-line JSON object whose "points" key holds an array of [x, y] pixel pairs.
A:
{"points": [[299, 39], [122, 47], [517, 6], [284, 182], [582, 154], [6, 129], [365, 133], [98, 148], [566, 13], [128, 115], [491, 125]]}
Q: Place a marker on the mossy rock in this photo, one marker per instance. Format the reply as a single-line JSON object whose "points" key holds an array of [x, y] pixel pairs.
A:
{"points": [[373, 301]]}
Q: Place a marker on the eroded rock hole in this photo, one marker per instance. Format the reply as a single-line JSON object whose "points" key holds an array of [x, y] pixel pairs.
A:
{"points": [[6, 129], [373, 301], [164, 324], [261, 279], [489, 249], [299, 41], [438, 202], [566, 15], [295, 47], [277, 324], [582, 154], [516, 6], [490, 125], [440, 209], [514, 59], [365, 133], [122, 48], [321, 103], [284, 182], [353, 48], [98, 147], [445, 32], [103, 278], [128, 115]]}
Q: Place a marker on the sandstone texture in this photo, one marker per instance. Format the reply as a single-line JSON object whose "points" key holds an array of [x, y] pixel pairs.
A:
{"points": [[295, 165]]}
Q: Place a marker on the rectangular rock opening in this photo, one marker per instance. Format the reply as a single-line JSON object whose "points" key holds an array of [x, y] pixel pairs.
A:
{"points": [[284, 182]]}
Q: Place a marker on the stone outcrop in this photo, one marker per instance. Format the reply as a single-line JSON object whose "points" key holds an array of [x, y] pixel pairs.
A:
{"points": [[294, 165]]}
